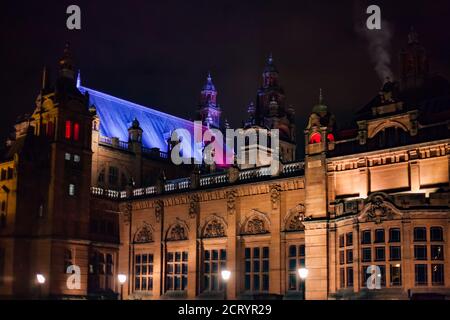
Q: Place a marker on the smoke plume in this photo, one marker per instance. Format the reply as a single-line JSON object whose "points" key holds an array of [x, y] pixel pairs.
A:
{"points": [[379, 42]]}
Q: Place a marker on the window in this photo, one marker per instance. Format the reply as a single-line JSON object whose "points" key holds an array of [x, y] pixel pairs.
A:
{"points": [[383, 275], [101, 177], [437, 274], [76, 131], [342, 278], [395, 253], [420, 252], [177, 270], [67, 259], [76, 158], [421, 274], [67, 156], [68, 132], [342, 257], [101, 263], [349, 277], [109, 264], [366, 237], [394, 235], [379, 236], [349, 256], [380, 254], [341, 241], [349, 239], [71, 189], [396, 275], [420, 234], [257, 269], [437, 252], [366, 254], [113, 177], [436, 234], [296, 260], [214, 261], [143, 272]]}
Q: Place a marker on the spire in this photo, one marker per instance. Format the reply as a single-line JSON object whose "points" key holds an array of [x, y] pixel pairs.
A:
{"points": [[44, 79], [320, 96], [270, 66], [66, 64], [79, 79], [209, 85]]}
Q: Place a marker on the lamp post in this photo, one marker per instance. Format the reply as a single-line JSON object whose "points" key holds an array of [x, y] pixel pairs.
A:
{"points": [[303, 274], [226, 274], [41, 281], [122, 279]]}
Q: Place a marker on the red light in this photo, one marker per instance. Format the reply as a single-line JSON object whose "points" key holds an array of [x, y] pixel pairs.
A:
{"points": [[315, 138], [76, 131], [68, 129], [330, 137]]}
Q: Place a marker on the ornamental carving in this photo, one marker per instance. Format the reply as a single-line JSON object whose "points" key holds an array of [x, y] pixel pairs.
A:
{"points": [[231, 201], [126, 210], [214, 229], [159, 209], [378, 209], [295, 223], [256, 225], [194, 205], [275, 194], [177, 233], [144, 234]]}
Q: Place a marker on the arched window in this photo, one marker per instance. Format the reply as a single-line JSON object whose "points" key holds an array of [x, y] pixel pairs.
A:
{"points": [[68, 133], [315, 138], [76, 131]]}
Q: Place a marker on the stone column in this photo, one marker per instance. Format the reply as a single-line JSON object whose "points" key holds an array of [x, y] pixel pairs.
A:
{"points": [[233, 244], [316, 234], [275, 242], [414, 176]]}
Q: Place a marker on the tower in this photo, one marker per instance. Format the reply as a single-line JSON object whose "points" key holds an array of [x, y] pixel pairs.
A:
{"points": [[413, 63], [54, 176], [271, 112], [209, 111]]}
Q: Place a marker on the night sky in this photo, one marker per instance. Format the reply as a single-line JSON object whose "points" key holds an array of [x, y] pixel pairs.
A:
{"points": [[158, 53]]}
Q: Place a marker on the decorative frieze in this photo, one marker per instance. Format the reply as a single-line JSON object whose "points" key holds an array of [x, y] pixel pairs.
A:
{"points": [[144, 234]]}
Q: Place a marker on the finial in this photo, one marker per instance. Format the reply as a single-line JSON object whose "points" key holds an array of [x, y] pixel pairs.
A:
{"points": [[79, 79], [44, 78], [209, 76], [270, 59], [320, 96]]}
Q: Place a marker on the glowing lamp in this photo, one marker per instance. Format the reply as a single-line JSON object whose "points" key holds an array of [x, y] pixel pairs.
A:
{"points": [[303, 273], [122, 278], [40, 278]]}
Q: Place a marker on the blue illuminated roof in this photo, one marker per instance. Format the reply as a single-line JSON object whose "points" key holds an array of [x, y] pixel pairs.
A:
{"points": [[116, 116]]}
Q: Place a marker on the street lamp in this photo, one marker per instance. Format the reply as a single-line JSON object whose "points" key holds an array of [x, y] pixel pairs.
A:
{"points": [[122, 279], [41, 281], [303, 274], [226, 274]]}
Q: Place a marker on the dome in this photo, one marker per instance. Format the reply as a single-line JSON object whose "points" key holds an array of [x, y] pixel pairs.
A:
{"points": [[321, 107]]}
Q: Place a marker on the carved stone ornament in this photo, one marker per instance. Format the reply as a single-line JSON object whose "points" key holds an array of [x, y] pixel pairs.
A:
{"points": [[295, 223], [275, 194], [231, 201], [214, 229], [256, 226], [378, 212], [177, 233], [144, 234], [194, 205], [159, 209]]}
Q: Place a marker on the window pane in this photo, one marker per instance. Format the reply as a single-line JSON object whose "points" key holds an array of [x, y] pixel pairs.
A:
{"points": [[247, 266], [292, 251], [341, 241], [421, 274], [292, 264], [302, 251], [349, 277], [394, 235], [380, 254], [255, 252], [379, 236], [256, 282], [207, 254], [436, 234], [420, 234], [215, 255], [349, 241], [223, 254], [437, 274], [366, 237], [256, 266], [396, 275], [349, 256], [265, 282], [247, 282], [367, 254], [437, 252], [265, 266], [395, 253], [420, 252], [265, 252], [247, 253]]}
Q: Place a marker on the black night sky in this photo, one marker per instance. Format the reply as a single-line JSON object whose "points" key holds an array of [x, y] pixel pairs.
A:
{"points": [[158, 53]]}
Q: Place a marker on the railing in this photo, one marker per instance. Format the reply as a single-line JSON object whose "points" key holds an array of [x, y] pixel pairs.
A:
{"points": [[209, 180]]}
